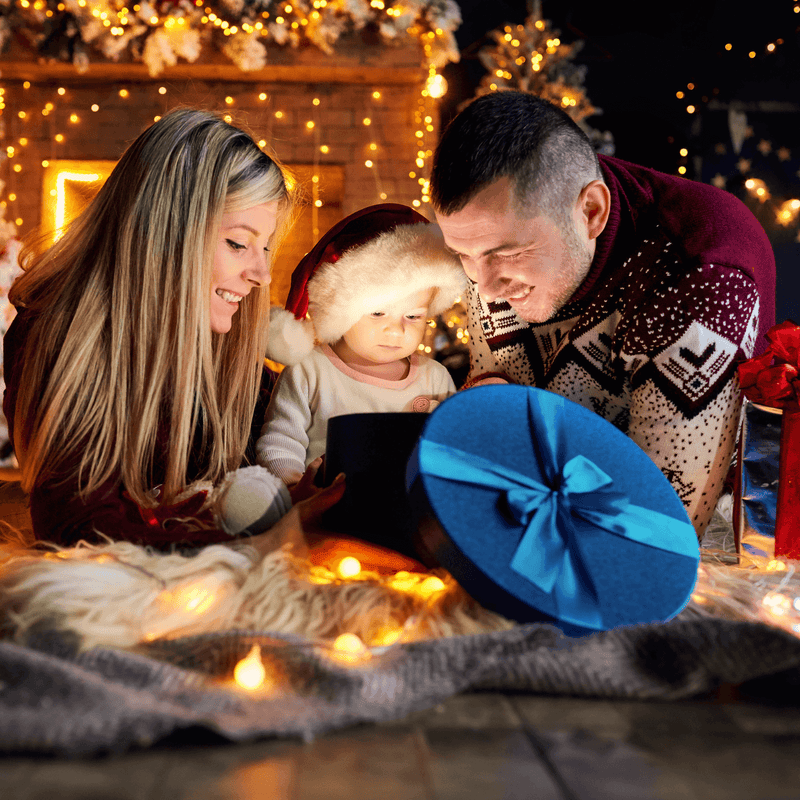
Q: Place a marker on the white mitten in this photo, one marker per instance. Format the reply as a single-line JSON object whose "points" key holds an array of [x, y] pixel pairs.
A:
{"points": [[251, 500]]}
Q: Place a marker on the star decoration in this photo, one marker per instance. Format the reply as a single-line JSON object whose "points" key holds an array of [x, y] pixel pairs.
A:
{"points": [[748, 132], [720, 149], [743, 164], [764, 147], [718, 181], [784, 153]]}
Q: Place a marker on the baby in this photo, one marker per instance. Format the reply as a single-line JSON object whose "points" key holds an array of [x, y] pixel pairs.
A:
{"points": [[369, 287]]}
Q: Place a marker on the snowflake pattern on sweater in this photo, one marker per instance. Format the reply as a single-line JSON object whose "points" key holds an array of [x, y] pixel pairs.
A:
{"points": [[653, 350]]}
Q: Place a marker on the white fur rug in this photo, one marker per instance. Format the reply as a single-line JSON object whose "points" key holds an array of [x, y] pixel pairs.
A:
{"points": [[120, 594], [123, 595]]}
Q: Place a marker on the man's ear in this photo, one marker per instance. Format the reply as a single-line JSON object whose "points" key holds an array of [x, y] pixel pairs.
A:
{"points": [[593, 207]]}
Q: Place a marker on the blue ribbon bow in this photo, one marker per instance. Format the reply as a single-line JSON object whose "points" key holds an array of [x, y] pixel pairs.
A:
{"points": [[575, 501]]}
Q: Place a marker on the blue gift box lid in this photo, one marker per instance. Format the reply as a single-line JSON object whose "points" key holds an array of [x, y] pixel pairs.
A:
{"points": [[546, 511]]}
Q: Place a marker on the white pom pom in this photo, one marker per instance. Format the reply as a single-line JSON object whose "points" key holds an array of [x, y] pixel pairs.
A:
{"points": [[252, 499], [290, 339]]}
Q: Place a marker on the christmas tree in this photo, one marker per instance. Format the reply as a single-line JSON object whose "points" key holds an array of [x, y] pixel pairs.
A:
{"points": [[532, 58]]}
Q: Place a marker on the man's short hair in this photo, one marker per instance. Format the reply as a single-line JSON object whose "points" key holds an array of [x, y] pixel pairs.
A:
{"points": [[513, 134]]}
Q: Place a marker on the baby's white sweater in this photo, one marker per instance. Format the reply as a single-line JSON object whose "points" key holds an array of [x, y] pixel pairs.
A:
{"points": [[322, 386]]}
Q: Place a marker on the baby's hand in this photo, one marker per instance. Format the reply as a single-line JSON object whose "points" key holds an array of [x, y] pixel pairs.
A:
{"points": [[305, 488]]}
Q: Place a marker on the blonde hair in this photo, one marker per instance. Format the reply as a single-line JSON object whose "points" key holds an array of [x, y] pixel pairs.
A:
{"points": [[120, 345]]}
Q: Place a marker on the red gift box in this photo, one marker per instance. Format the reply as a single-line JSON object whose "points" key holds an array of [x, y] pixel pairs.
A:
{"points": [[771, 379]]}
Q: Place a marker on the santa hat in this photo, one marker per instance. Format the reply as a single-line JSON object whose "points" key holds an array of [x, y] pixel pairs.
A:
{"points": [[375, 256]]}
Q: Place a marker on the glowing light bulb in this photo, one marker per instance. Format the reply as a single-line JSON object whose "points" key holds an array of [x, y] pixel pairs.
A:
{"points": [[777, 604], [349, 644], [348, 567], [436, 86], [431, 585], [249, 673], [386, 636]]}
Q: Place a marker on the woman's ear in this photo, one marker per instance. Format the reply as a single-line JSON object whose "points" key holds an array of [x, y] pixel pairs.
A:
{"points": [[594, 206]]}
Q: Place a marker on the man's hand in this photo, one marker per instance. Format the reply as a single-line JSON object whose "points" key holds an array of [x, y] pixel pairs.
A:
{"points": [[493, 381]]}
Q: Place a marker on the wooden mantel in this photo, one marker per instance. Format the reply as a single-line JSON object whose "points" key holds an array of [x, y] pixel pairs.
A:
{"points": [[272, 73]]}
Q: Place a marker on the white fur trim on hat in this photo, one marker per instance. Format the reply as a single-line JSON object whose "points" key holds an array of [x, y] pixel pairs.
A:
{"points": [[394, 264], [290, 339]]}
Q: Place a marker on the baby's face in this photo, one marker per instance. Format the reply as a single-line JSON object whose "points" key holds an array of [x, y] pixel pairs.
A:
{"points": [[391, 332]]}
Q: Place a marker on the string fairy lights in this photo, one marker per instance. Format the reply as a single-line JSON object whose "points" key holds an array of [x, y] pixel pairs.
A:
{"points": [[532, 58], [693, 98], [163, 34], [160, 34]]}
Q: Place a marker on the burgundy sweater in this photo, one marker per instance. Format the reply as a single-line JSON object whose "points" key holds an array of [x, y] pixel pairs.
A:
{"points": [[681, 288], [59, 514]]}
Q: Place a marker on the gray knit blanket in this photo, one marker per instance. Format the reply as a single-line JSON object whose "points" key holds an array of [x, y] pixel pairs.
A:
{"points": [[56, 700]]}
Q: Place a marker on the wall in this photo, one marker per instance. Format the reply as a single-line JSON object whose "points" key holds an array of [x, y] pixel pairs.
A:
{"points": [[52, 113]]}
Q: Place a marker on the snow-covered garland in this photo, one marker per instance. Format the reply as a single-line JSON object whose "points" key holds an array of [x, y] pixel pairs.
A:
{"points": [[159, 33]]}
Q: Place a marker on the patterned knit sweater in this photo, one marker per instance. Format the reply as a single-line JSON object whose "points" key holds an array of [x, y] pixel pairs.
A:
{"points": [[681, 289]]}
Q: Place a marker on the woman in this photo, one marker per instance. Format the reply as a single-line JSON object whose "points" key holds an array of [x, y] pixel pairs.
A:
{"points": [[135, 362]]}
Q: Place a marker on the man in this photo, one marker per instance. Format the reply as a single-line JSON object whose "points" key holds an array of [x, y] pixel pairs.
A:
{"points": [[631, 292]]}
